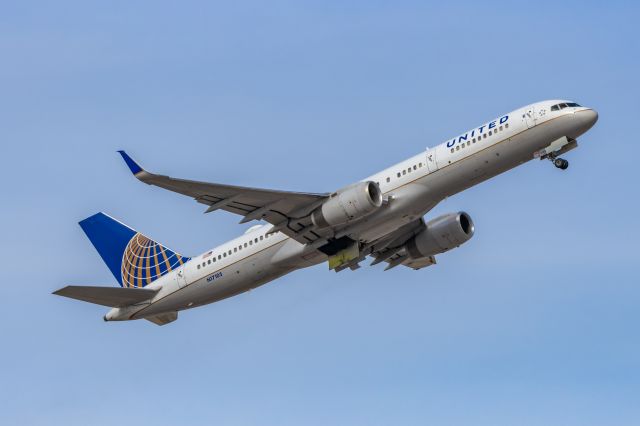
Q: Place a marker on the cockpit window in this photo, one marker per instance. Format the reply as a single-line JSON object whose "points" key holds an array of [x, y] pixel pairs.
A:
{"points": [[558, 107]]}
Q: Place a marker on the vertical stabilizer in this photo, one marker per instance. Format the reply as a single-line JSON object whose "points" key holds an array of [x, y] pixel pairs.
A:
{"points": [[134, 259]]}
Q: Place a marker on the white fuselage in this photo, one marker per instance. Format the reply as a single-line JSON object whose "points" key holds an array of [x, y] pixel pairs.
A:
{"points": [[411, 188]]}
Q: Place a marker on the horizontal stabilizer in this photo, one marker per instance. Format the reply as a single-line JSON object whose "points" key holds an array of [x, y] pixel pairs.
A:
{"points": [[115, 297], [162, 319]]}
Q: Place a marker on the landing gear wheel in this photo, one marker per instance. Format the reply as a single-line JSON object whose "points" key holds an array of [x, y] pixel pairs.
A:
{"points": [[561, 163]]}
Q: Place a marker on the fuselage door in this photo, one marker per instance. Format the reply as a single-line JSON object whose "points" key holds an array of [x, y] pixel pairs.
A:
{"points": [[529, 116], [180, 277], [432, 165]]}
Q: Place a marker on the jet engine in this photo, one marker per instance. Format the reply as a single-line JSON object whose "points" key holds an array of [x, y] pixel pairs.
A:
{"points": [[351, 203], [442, 234]]}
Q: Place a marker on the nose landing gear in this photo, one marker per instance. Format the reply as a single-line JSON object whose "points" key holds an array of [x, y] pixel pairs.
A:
{"points": [[561, 163], [555, 149]]}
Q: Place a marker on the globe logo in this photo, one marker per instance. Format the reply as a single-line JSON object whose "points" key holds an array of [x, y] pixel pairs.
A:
{"points": [[144, 261]]}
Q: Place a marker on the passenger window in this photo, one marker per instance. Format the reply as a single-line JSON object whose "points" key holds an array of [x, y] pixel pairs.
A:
{"points": [[468, 143], [506, 126], [452, 150], [224, 254], [398, 174], [260, 237], [209, 261], [198, 266], [219, 257], [388, 180], [484, 136], [457, 147], [255, 240], [415, 167], [500, 128], [230, 252], [404, 172], [419, 164], [251, 242], [473, 140], [245, 245], [409, 170], [214, 260]]}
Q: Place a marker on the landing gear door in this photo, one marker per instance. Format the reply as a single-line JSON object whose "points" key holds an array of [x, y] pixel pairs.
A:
{"points": [[529, 116], [432, 165]]}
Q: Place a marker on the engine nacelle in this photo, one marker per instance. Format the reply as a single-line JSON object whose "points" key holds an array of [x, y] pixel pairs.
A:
{"points": [[442, 234], [351, 203]]}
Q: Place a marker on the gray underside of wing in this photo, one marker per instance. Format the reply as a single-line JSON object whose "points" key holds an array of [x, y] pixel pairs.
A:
{"points": [[391, 249], [287, 211], [106, 296], [239, 199]]}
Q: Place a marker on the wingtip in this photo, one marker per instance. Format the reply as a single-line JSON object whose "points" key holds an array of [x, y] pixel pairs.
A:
{"points": [[133, 166]]}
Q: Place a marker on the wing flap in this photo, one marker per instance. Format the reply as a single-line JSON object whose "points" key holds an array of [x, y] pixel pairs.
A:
{"points": [[114, 297]]}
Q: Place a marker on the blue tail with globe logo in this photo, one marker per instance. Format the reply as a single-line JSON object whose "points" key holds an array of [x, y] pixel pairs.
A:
{"points": [[134, 259]]}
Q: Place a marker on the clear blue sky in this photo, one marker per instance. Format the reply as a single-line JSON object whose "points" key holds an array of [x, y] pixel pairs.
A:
{"points": [[534, 322]]}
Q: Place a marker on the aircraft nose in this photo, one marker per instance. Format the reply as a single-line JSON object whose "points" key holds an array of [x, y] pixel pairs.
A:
{"points": [[588, 117]]}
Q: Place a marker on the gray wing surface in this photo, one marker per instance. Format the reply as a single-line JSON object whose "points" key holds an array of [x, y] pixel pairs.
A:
{"points": [[390, 249], [287, 211]]}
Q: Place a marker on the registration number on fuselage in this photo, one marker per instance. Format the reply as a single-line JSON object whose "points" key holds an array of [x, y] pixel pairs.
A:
{"points": [[215, 276]]}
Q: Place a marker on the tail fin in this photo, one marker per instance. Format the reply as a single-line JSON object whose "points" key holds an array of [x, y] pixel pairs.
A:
{"points": [[134, 259]]}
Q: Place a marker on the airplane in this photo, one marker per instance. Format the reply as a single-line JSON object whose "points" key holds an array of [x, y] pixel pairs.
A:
{"points": [[379, 217]]}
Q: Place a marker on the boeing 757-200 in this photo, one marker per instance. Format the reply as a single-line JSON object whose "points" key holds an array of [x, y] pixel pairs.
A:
{"points": [[380, 216]]}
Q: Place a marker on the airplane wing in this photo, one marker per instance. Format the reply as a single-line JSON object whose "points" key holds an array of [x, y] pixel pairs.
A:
{"points": [[113, 297], [390, 248], [287, 211]]}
